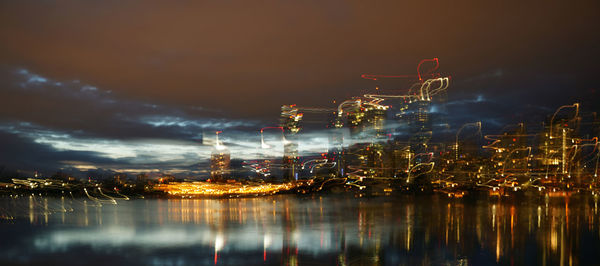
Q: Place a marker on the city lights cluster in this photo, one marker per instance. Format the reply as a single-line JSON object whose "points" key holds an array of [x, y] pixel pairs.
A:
{"points": [[395, 141], [222, 189], [369, 148]]}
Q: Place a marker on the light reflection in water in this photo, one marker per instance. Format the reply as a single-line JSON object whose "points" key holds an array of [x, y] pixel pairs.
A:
{"points": [[290, 230]]}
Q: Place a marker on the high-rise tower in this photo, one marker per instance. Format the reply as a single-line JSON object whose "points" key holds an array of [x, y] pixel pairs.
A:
{"points": [[220, 160], [290, 123]]}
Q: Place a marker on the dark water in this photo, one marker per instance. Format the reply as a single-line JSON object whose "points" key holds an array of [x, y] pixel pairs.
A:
{"points": [[291, 230]]}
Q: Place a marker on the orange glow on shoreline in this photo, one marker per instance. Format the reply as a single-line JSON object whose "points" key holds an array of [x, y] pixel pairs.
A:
{"points": [[222, 189]]}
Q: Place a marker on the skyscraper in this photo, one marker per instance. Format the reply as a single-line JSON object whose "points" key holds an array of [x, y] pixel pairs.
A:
{"points": [[420, 126], [290, 123], [219, 164], [220, 160]]}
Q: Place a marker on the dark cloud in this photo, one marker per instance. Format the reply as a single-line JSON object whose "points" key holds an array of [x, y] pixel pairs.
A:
{"points": [[19, 153], [86, 109]]}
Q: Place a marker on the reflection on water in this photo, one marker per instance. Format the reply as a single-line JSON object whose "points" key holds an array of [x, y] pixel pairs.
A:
{"points": [[291, 230]]}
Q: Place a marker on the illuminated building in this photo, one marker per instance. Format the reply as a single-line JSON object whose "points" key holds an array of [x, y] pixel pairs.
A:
{"points": [[419, 125], [336, 150], [355, 119], [373, 160], [290, 161], [367, 120], [467, 145], [558, 140], [364, 117], [290, 119], [376, 116], [397, 160], [510, 151], [412, 135], [555, 150], [365, 160], [219, 164], [219, 161], [268, 169], [290, 124]]}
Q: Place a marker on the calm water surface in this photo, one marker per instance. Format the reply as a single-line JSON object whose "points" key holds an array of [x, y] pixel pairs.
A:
{"points": [[292, 230]]}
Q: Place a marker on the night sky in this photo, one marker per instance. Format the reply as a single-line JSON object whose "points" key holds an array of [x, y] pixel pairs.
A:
{"points": [[114, 86]]}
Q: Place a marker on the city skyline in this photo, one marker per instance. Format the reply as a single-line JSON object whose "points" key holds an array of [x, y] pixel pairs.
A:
{"points": [[138, 104], [339, 132], [190, 155]]}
